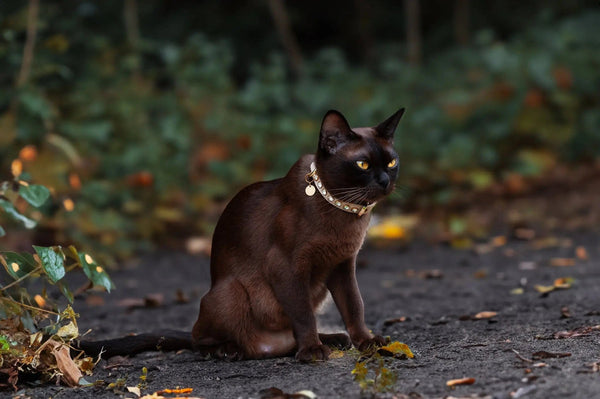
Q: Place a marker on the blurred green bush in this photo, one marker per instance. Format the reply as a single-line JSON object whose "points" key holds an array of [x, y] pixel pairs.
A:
{"points": [[144, 140]]}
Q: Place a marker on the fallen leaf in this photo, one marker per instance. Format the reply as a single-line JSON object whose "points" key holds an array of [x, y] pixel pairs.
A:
{"points": [[563, 282], [177, 391], [485, 315], [544, 289], [562, 262], [517, 291], [336, 354], [460, 381], [134, 390], [581, 253], [565, 313], [432, 274], [398, 348], [480, 274], [578, 332], [524, 233], [548, 355], [498, 241], [70, 372]]}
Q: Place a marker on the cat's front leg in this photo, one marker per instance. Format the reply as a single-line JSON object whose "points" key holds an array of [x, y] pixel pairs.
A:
{"points": [[293, 294], [344, 289]]}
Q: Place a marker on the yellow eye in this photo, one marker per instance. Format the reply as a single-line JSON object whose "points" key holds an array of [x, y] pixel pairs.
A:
{"points": [[364, 165], [392, 163]]}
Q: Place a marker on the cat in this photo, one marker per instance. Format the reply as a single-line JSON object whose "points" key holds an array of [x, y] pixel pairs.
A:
{"points": [[280, 246]]}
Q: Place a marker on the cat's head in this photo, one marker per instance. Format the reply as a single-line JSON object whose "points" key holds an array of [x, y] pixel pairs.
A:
{"points": [[357, 165]]}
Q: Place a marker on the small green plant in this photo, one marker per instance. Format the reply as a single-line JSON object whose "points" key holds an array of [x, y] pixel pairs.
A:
{"points": [[372, 370], [34, 334]]}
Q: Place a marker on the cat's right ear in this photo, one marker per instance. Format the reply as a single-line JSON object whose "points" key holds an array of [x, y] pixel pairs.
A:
{"points": [[335, 132]]}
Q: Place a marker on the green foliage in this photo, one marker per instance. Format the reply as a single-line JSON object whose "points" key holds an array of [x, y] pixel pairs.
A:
{"points": [[31, 326], [144, 138]]}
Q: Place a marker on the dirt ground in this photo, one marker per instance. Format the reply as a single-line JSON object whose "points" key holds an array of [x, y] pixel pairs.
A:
{"points": [[426, 295]]}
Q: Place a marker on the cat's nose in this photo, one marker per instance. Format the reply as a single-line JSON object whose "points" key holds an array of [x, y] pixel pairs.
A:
{"points": [[383, 180]]}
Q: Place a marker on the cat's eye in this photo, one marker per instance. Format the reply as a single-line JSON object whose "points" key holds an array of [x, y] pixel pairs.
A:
{"points": [[364, 165], [392, 163]]}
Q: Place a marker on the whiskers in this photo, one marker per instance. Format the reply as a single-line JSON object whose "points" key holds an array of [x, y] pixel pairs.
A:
{"points": [[355, 195]]}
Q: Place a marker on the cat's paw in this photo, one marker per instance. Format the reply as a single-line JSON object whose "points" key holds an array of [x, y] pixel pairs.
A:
{"points": [[374, 342], [228, 351], [339, 340], [313, 353]]}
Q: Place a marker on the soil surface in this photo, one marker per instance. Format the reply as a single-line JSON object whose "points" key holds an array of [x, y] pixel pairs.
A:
{"points": [[425, 295], [438, 289]]}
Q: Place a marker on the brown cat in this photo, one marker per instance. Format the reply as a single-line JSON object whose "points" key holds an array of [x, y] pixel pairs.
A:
{"points": [[281, 245]]}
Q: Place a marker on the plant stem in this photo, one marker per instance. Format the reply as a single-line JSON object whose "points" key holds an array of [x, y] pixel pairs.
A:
{"points": [[37, 269]]}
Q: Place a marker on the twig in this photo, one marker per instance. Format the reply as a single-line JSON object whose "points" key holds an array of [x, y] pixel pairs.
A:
{"points": [[282, 23], [32, 18], [4, 288], [32, 307], [521, 357]]}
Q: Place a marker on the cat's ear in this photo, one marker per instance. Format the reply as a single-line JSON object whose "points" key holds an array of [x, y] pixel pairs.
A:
{"points": [[387, 128], [335, 132]]}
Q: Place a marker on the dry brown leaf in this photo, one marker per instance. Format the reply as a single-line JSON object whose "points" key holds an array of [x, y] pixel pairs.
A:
{"points": [[562, 262], [581, 253], [498, 241], [485, 315], [70, 372], [460, 381], [578, 332]]}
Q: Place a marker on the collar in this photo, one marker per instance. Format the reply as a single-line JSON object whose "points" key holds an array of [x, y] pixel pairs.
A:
{"points": [[313, 177]]}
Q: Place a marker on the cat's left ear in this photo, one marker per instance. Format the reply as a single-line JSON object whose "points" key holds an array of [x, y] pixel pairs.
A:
{"points": [[387, 128]]}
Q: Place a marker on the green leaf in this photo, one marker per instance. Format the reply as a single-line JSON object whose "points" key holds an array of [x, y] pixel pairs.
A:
{"points": [[12, 211], [66, 291], [95, 273], [4, 345], [35, 194], [53, 262], [18, 265]]}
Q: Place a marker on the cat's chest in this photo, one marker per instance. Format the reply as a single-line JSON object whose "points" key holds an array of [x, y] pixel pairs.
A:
{"points": [[336, 243]]}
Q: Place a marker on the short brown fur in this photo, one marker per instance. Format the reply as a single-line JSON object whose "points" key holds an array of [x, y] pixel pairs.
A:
{"points": [[277, 252]]}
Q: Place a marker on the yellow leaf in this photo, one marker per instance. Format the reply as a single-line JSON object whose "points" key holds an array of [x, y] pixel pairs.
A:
{"points": [[563, 282], [68, 331], [398, 348], [543, 289], [336, 354]]}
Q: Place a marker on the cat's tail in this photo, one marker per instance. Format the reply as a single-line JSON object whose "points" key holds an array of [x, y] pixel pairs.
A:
{"points": [[164, 340]]}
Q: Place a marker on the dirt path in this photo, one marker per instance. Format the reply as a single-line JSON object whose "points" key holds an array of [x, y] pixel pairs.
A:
{"points": [[436, 288]]}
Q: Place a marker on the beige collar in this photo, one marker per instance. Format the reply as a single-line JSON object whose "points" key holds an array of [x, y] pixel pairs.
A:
{"points": [[349, 207]]}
